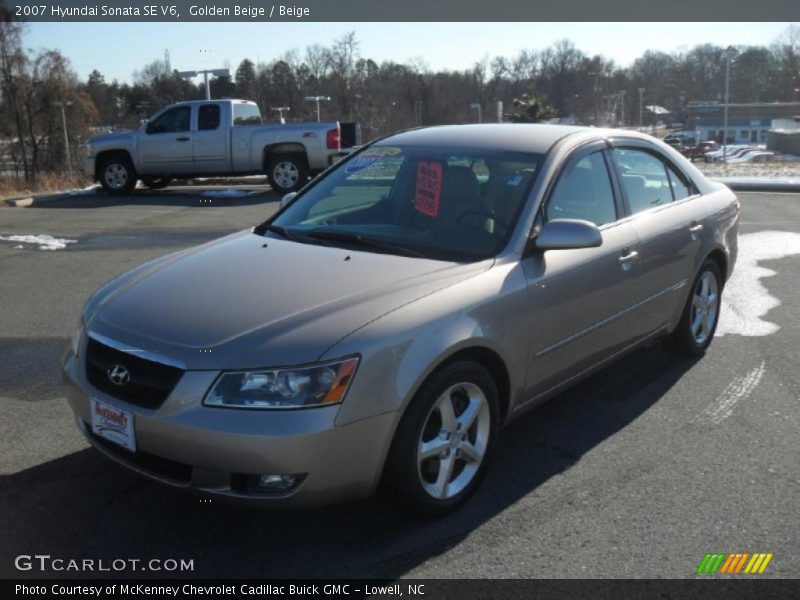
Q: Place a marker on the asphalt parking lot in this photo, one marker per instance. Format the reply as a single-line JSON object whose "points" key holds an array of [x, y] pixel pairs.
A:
{"points": [[637, 472]]}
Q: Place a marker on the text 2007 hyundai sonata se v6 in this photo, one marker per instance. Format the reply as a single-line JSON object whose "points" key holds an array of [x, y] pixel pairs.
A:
{"points": [[384, 326]]}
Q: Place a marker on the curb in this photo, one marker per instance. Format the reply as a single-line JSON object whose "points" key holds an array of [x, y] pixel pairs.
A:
{"points": [[35, 200]]}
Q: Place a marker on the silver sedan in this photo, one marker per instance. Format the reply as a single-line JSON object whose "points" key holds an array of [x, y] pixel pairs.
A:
{"points": [[385, 325]]}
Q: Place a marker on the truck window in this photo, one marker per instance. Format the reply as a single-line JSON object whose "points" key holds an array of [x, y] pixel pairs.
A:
{"points": [[208, 117], [173, 121], [246, 114]]}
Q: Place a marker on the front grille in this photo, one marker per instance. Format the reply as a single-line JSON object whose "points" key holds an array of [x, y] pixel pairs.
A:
{"points": [[150, 382], [149, 463]]}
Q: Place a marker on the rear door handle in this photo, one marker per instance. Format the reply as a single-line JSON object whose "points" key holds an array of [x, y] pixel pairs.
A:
{"points": [[182, 139], [694, 229]]}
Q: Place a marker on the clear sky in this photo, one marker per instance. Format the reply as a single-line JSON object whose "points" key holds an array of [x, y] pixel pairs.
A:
{"points": [[117, 49]]}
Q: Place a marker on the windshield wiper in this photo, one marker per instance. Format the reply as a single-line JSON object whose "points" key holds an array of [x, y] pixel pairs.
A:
{"points": [[356, 239], [280, 230]]}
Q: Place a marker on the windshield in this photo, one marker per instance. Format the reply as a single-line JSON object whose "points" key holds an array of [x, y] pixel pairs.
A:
{"points": [[448, 204]]}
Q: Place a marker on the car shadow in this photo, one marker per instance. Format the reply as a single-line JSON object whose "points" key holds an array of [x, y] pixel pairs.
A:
{"points": [[84, 506], [211, 196]]}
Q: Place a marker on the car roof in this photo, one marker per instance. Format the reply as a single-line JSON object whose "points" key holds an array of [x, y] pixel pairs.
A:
{"points": [[513, 137]]}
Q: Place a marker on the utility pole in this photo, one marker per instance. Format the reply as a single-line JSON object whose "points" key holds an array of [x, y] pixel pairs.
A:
{"points": [[205, 74], [730, 53], [596, 95], [622, 108], [318, 99], [641, 107], [61, 105]]}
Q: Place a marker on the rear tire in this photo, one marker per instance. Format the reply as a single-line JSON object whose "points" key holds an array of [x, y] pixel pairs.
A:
{"points": [[156, 183], [287, 172], [439, 455], [117, 175], [700, 315]]}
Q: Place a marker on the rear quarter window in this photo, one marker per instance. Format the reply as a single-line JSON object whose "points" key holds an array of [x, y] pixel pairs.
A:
{"points": [[246, 114]]}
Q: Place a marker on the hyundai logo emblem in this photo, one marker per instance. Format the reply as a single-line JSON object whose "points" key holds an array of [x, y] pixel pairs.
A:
{"points": [[118, 375]]}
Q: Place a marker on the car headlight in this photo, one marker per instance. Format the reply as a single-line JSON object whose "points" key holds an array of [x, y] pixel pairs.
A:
{"points": [[301, 387]]}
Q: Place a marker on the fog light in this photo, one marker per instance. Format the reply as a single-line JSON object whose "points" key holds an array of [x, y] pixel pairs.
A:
{"points": [[274, 483]]}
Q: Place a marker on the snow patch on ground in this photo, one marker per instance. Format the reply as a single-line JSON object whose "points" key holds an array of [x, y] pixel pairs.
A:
{"points": [[45, 242], [745, 299], [89, 189]]}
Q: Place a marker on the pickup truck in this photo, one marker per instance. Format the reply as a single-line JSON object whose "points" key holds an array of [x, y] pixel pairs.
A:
{"points": [[211, 138]]}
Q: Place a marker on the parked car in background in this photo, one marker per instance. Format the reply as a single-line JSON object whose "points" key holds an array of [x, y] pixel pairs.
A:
{"points": [[382, 328], [752, 155], [730, 151], [701, 149], [679, 138], [212, 138]]}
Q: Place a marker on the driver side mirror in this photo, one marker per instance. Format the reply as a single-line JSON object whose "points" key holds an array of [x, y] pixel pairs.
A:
{"points": [[288, 198], [563, 234]]}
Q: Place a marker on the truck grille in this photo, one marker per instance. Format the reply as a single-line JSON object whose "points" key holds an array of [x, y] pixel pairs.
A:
{"points": [[150, 382]]}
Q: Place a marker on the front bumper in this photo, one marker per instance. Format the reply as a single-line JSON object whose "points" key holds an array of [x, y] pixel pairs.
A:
{"points": [[186, 445]]}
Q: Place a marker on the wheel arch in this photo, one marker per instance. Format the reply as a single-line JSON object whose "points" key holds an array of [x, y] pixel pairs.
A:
{"points": [[719, 256], [106, 154], [486, 357], [294, 148]]}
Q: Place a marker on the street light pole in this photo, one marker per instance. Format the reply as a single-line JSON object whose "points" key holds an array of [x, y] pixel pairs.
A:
{"points": [[478, 106], [280, 110], [205, 74], [61, 105], [317, 99], [641, 107], [729, 54]]}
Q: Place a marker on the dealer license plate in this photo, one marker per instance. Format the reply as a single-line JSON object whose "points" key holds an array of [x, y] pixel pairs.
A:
{"points": [[113, 424]]}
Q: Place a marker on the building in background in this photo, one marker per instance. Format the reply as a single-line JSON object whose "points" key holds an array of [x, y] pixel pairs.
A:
{"points": [[748, 123]]}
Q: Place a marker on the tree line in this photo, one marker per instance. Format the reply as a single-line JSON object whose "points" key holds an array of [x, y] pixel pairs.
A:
{"points": [[557, 81]]}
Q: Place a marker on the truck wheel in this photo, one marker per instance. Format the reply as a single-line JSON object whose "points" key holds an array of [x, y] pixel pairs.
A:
{"points": [[117, 175], [156, 183], [287, 172]]}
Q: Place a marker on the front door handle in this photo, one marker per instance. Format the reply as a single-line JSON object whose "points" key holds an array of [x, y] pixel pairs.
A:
{"points": [[182, 139], [627, 257]]}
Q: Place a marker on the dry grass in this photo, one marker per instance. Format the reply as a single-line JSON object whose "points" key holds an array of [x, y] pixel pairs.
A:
{"points": [[11, 187]]}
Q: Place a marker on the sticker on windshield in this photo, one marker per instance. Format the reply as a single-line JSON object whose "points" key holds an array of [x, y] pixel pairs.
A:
{"points": [[429, 188], [361, 162]]}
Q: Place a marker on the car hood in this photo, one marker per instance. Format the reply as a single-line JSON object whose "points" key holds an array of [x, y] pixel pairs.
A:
{"points": [[112, 138], [246, 301]]}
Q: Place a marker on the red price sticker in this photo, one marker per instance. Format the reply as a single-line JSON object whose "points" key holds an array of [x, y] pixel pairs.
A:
{"points": [[429, 188]]}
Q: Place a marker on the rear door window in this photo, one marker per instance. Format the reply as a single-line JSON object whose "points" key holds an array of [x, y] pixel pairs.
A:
{"points": [[643, 177], [208, 117]]}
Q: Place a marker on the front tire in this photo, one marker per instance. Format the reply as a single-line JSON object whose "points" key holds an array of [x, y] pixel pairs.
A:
{"points": [[444, 441], [287, 172], [700, 315], [117, 175]]}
